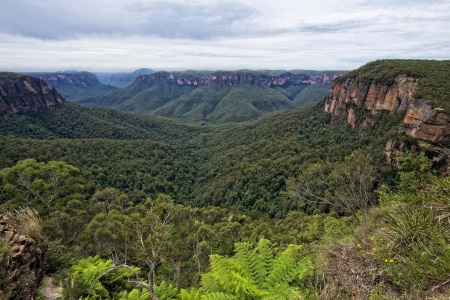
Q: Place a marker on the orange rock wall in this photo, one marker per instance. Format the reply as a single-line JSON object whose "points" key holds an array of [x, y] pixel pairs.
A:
{"points": [[423, 121]]}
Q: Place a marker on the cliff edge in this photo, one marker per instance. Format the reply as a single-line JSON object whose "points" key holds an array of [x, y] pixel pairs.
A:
{"points": [[400, 87], [20, 93], [21, 262]]}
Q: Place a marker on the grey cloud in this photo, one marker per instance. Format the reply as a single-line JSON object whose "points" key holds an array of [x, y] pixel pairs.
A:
{"points": [[193, 21], [339, 26], [59, 20]]}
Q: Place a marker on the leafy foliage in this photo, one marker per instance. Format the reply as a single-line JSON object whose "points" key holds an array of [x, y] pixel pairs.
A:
{"points": [[253, 273], [39, 184], [10, 75], [74, 121]]}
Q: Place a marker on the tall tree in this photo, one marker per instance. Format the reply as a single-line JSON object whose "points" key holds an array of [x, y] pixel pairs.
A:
{"points": [[33, 183]]}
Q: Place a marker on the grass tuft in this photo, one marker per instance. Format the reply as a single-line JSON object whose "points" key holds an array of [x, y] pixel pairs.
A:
{"points": [[27, 222]]}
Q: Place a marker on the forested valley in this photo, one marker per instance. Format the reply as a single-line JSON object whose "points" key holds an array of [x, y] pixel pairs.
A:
{"points": [[296, 204]]}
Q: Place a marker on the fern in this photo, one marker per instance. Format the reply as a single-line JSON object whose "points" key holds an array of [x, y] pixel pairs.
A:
{"points": [[166, 291], [285, 267], [218, 296], [252, 274], [191, 294], [135, 294]]}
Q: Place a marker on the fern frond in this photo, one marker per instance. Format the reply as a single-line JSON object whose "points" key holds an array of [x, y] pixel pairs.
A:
{"points": [[263, 262], [191, 294], [243, 257], [218, 296], [210, 283], [165, 291], [245, 287], [285, 267]]}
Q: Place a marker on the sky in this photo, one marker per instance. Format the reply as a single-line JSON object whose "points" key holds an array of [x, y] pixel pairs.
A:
{"points": [[124, 35]]}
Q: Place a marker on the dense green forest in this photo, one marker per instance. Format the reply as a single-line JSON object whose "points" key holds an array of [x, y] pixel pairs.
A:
{"points": [[293, 205], [221, 103]]}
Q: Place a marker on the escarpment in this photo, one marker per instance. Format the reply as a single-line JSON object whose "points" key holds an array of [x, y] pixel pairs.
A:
{"points": [[226, 78], [85, 79], [421, 120], [20, 94], [21, 262]]}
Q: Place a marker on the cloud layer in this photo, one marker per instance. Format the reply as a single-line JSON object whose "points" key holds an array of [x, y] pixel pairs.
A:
{"points": [[283, 34]]}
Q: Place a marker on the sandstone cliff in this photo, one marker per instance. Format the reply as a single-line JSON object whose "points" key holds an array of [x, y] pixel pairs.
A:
{"points": [[21, 263], [224, 78], [420, 119], [19, 94], [85, 79]]}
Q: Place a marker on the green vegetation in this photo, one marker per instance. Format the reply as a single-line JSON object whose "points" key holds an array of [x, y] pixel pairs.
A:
{"points": [[312, 94], [433, 77], [201, 165], [10, 75], [143, 207], [216, 104], [254, 273], [74, 121], [76, 93]]}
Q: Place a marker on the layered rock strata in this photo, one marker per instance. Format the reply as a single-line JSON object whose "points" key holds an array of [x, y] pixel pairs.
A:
{"points": [[26, 94], [420, 119], [233, 78], [21, 263], [83, 79]]}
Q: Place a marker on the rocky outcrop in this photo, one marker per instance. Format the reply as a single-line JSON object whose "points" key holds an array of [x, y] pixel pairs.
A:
{"points": [[21, 263], [420, 119], [427, 123], [25, 93], [233, 78]]}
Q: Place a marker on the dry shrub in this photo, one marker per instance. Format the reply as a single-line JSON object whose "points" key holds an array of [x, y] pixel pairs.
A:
{"points": [[27, 222]]}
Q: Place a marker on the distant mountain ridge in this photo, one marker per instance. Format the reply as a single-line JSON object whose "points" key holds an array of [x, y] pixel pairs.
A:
{"points": [[238, 77], [122, 79], [221, 96], [74, 85], [73, 77]]}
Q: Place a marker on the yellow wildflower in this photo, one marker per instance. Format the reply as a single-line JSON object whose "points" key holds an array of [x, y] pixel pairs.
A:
{"points": [[391, 260], [373, 249], [359, 246]]}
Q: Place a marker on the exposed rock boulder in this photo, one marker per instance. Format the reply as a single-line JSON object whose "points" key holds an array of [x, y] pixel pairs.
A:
{"points": [[21, 94], [21, 263]]}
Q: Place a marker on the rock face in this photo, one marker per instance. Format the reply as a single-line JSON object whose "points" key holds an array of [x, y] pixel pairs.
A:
{"points": [[233, 78], [420, 119], [21, 263], [85, 79], [25, 94]]}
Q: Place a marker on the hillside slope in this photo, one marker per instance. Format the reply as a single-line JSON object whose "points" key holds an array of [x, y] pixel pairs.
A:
{"points": [[216, 97], [75, 86]]}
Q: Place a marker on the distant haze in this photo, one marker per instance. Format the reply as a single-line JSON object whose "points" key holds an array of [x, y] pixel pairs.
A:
{"points": [[124, 35]]}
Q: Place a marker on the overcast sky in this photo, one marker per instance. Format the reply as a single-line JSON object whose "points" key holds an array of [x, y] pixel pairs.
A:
{"points": [[123, 35]]}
